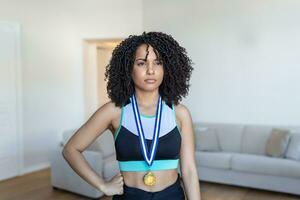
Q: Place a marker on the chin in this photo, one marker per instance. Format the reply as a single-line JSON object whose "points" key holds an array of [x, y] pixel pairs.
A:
{"points": [[152, 88]]}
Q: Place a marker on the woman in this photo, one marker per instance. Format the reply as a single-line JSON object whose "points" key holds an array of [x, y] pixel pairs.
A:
{"points": [[147, 77]]}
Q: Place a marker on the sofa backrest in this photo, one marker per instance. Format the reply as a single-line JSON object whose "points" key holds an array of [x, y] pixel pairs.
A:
{"points": [[229, 135], [293, 150], [104, 143], [255, 137], [66, 135], [243, 138]]}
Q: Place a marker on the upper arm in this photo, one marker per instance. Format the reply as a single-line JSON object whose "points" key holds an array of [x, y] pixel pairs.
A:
{"points": [[93, 127], [187, 150]]}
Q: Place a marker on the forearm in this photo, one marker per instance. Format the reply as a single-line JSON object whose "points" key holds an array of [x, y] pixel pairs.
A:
{"points": [[79, 164], [191, 186]]}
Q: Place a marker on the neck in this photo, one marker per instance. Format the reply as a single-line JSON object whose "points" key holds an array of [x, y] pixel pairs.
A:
{"points": [[146, 99]]}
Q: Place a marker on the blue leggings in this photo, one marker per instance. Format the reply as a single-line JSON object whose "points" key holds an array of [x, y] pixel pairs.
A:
{"points": [[174, 192]]}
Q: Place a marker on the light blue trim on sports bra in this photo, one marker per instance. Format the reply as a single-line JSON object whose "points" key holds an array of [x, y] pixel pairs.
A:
{"points": [[143, 166], [120, 124], [178, 127]]}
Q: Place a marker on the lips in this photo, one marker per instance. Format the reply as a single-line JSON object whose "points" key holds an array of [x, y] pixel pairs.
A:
{"points": [[150, 80]]}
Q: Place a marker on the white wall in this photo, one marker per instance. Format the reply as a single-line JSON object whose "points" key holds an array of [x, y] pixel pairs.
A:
{"points": [[246, 69], [246, 55], [52, 40]]}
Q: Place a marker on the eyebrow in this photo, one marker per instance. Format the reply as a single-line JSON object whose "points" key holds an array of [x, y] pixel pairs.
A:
{"points": [[141, 59], [144, 59]]}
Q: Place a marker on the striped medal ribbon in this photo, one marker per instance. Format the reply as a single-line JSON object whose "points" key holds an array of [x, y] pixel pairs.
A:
{"points": [[149, 178]]}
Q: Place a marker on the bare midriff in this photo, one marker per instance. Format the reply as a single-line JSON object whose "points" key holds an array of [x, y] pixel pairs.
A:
{"points": [[164, 178]]}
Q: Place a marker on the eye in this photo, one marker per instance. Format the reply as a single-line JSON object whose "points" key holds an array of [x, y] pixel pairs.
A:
{"points": [[158, 62], [141, 63]]}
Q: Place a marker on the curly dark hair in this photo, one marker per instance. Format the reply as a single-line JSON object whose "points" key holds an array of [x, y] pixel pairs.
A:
{"points": [[177, 67]]}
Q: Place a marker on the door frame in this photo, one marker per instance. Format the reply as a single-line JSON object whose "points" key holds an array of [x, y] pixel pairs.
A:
{"points": [[16, 28], [90, 54]]}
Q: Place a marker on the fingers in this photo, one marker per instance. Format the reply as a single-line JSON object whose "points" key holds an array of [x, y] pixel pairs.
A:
{"points": [[120, 177], [120, 181], [117, 176]]}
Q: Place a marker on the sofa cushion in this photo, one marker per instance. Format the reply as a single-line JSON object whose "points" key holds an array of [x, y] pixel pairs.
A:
{"points": [[111, 167], [255, 138], [104, 143], [293, 149], [206, 139], [213, 159], [67, 134], [229, 135], [265, 165], [277, 142]]}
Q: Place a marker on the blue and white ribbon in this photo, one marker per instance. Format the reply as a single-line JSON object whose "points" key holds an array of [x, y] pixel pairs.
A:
{"points": [[148, 156]]}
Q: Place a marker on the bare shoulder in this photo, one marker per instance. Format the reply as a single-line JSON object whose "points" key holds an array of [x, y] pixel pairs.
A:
{"points": [[111, 110], [97, 123], [111, 107], [105, 115], [181, 110], [115, 114], [182, 114]]}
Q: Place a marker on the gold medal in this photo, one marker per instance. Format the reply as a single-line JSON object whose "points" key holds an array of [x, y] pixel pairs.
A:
{"points": [[149, 179]]}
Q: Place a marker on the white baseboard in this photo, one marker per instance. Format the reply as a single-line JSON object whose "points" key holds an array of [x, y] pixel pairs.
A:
{"points": [[35, 168]]}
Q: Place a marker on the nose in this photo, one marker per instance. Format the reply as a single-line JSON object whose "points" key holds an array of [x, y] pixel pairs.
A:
{"points": [[150, 69]]}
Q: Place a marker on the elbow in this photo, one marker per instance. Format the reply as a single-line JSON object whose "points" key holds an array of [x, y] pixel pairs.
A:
{"points": [[68, 150], [65, 151]]}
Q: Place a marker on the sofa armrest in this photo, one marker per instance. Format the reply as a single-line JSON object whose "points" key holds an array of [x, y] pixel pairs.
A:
{"points": [[64, 177]]}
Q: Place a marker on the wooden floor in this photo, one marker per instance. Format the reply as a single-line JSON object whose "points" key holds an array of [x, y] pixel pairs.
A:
{"points": [[37, 186]]}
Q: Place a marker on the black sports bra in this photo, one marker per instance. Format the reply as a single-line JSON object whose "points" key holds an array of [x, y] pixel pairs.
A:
{"points": [[127, 144]]}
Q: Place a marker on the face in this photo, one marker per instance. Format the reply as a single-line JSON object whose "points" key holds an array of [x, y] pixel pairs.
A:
{"points": [[147, 73]]}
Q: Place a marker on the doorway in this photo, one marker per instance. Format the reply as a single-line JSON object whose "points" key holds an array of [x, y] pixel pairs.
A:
{"points": [[97, 54]]}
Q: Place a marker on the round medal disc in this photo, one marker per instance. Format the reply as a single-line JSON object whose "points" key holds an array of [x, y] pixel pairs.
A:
{"points": [[149, 179]]}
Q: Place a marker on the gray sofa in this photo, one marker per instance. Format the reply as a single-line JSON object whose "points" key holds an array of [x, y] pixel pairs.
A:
{"points": [[237, 158], [101, 157], [235, 154]]}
